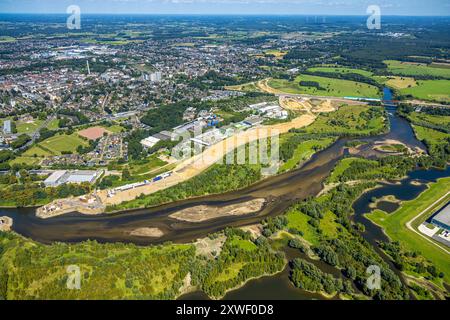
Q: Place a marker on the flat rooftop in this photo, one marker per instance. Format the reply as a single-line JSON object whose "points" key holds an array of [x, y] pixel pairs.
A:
{"points": [[443, 216]]}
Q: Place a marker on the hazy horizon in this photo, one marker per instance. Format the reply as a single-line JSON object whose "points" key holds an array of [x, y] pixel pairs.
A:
{"points": [[230, 7]]}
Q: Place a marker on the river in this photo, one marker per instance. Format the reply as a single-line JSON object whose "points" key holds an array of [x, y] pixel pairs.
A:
{"points": [[281, 192]]}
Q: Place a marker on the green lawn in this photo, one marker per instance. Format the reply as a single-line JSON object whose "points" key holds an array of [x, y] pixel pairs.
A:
{"points": [[432, 119], [28, 127], [243, 244], [37, 151], [25, 160], [430, 135], [436, 90], [230, 272], [394, 225], [115, 128], [409, 69], [304, 151], [299, 222], [63, 142], [146, 165], [331, 87]]}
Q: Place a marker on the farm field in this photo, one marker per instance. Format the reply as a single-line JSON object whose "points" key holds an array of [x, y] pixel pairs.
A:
{"points": [[331, 87], [436, 90], [401, 82], [394, 225], [416, 69]]}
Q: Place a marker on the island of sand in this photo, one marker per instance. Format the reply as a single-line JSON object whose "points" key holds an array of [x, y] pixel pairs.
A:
{"points": [[205, 213], [147, 232]]}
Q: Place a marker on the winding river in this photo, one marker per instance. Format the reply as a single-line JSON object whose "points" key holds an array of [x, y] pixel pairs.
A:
{"points": [[281, 192]]}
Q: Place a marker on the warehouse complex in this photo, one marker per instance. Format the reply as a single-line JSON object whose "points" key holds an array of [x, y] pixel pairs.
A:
{"points": [[442, 219], [58, 178]]}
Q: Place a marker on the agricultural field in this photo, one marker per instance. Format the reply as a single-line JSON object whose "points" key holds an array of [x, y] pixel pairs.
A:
{"points": [[401, 82], [276, 53], [328, 87], [434, 90], [416, 69], [394, 225]]}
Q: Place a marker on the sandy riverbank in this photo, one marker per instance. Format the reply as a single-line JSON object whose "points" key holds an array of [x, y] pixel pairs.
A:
{"points": [[147, 232], [205, 213]]}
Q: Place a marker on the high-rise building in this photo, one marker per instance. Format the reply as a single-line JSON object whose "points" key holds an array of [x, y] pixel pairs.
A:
{"points": [[7, 127]]}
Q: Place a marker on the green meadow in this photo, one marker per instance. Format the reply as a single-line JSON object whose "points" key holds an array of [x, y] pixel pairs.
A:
{"points": [[394, 225], [330, 87], [416, 69], [436, 90]]}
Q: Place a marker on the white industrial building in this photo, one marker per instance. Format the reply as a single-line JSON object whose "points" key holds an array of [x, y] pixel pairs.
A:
{"points": [[60, 177], [149, 142], [7, 127]]}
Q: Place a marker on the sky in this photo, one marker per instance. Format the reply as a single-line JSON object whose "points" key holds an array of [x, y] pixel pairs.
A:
{"points": [[317, 7]]}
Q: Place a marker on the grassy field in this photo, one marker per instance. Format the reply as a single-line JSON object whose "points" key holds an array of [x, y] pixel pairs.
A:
{"points": [[276, 53], [331, 87], [416, 69], [435, 90], [28, 127], [394, 225], [433, 136], [341, 70], [401, 82], [37, 151], [432, 119], [347, 120], [304, 151], [62, 143], [115, 128], [243, 244], [300, 222], [25, 160], [146, 165]]}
